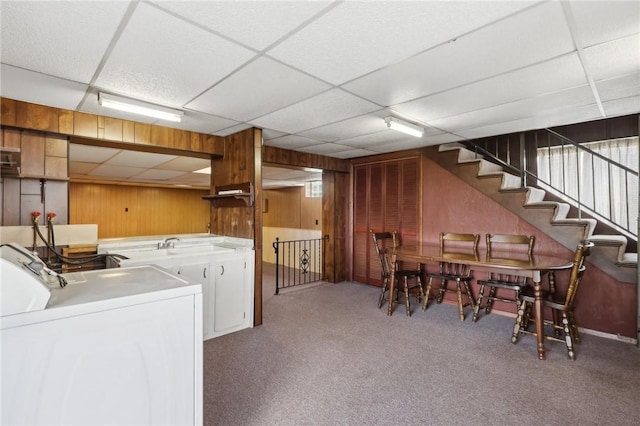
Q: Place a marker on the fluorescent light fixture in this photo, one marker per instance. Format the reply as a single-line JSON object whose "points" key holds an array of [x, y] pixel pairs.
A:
{"points": [[404, 127], [139, 107]]}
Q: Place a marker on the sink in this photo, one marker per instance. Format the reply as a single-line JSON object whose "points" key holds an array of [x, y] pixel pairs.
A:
{"points": [[200, 249]]}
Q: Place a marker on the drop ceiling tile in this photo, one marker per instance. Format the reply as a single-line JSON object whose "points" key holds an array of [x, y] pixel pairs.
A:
{"points": [[193, 179], [268, 134], [615, 58], [90, 154], [332, 47], [259, 88], [59, 38], [29, 86], [576, 115], [619, 87], [157, 75], [550, 76], [156, 174], [370, 141], [624, 106], [231, 130], [254, 23], [116, 172], [138, 159], [369, 123], [539, 105], [471, 57], [324, 148], [185, 164], [80, 168], [291, 142], [328, 107], [196, 121], [602, 21], [353, 153]]}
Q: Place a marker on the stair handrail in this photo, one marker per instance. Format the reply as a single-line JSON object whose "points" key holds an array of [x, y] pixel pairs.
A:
{"points": [[523, 173]]}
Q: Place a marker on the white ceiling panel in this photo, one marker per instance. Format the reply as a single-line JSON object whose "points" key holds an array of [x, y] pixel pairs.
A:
{"points": [[544, 104], [34, 87], [291, 142], [472, 57], [567, 72], [91, 154], [139, 159], [256, 24], [156, 174], [477, 67], [615, 58], [353, 153], [324, 148], [620, 87], [116, 172], [332, 47], [328, 107], [259, 88], [602, 21], [144, 64], [185, 164], [79, 168], [60, 38], [530, 123], [365, 124]]}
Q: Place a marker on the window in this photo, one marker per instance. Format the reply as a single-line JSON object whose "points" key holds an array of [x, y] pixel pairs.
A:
{"points": [[313, 189], [605, 189]]}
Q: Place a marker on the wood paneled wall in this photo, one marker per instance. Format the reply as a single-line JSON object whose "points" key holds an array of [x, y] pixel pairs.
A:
{"points": [[128, 211], [25, 115], [289, 208]]}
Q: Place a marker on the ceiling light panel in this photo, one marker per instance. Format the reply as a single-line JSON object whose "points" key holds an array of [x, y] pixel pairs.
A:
{"points": [[29, 86], [257, 24], [369, 123], [334, 105], [61, 39], [424, 24], [156, 75], [259, 88], [472, 57]]}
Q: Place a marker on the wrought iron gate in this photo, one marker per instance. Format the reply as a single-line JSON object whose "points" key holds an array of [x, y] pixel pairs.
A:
{"points": [[299, 262]]}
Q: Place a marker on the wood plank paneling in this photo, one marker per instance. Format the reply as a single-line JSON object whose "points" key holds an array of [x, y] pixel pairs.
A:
{"points": [[127, 211], [32, 153]]}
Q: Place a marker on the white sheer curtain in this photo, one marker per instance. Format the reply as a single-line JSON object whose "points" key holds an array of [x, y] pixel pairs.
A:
{"points": [[608, 191]]}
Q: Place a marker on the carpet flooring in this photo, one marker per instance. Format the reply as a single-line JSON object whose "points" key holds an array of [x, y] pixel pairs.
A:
{"points": [[325, 355]]}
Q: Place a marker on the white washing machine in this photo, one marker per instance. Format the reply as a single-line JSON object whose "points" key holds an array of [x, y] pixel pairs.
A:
{"points": [[113, 347]]}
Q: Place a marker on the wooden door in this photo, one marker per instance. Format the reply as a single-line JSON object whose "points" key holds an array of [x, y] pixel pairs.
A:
{"points": [[386, 198]]}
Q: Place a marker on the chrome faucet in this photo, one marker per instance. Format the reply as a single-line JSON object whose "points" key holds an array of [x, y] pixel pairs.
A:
{"points": [[168, 243]]}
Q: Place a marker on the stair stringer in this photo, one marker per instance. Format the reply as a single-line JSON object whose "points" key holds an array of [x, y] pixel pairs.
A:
{"points": [[550, 217]]}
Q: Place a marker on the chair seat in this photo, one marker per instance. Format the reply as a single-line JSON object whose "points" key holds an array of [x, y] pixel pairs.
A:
{"points": [[503, 284]]}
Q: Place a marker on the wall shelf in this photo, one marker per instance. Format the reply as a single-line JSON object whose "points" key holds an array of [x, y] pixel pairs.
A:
{"points": [[233, 195]]}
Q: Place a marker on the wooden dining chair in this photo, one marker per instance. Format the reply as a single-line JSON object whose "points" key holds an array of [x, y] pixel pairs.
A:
{"points": [[504, 247], [567, 330], [385, 243], [459, 273]]}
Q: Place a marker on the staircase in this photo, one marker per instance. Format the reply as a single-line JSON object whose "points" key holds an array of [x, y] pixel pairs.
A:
{"points": [[536, 207]]}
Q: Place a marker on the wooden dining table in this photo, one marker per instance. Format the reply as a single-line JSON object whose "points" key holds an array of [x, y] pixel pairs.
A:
{"points": [[515, 263]]}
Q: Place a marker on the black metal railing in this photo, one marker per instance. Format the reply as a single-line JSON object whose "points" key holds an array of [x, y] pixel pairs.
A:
{"points": [[574, 178], [299, 262]]}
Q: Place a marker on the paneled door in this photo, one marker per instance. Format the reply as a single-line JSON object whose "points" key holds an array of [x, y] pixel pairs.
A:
{"points": [[386, 198]]}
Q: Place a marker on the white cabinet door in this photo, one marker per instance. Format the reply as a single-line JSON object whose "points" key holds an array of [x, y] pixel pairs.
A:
{"points": [[229, 293], [200, 271]]}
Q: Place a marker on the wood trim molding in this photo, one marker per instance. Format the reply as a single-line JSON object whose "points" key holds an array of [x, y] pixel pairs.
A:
{"points": [[30, 116]]}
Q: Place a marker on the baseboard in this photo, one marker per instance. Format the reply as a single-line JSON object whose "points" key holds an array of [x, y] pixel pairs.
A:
{"points": [[608, 335]]}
